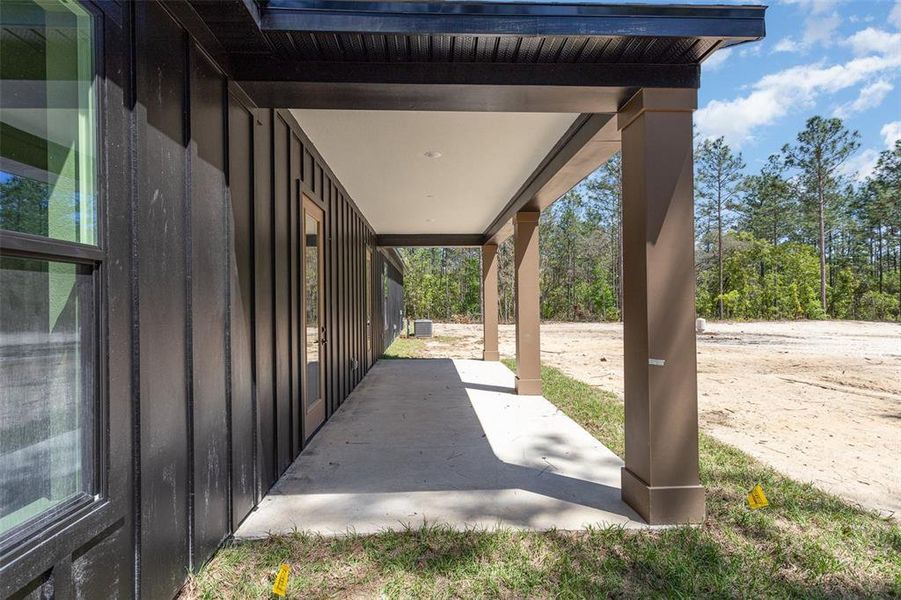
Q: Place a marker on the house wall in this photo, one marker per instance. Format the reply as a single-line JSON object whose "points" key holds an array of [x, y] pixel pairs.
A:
{"points": [[201, 198]]}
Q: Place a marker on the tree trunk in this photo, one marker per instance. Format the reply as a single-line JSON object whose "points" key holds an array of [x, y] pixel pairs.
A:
{"points": [[822, 223], [719, 249], [879, 257], [446, 284]]}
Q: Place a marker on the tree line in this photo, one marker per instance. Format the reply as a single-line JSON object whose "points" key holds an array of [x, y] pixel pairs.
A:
{"points": [[798, 239]]}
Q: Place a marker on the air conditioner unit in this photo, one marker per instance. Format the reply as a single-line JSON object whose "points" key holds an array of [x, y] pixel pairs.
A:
{"points": [[422, 328]]}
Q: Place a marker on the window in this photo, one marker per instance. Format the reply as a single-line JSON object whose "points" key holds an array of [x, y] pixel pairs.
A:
{"points": [[47, 120], [49, 261]]}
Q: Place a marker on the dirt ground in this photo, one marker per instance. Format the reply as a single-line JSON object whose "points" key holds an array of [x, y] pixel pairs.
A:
{"points": [[818, 400]]}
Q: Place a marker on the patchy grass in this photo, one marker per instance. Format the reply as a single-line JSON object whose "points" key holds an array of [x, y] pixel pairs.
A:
{"points": [[807, 544], [413, 347], [405, 347]]}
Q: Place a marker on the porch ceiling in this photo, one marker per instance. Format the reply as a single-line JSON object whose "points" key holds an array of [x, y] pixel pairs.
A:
{"points": [[387, 162]]}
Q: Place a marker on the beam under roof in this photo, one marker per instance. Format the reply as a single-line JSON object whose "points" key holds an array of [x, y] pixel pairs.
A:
{"points": [[495, 87], [590, 142], [430, 240]]}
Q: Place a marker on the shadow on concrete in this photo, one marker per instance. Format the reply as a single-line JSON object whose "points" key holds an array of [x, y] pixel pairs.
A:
{"points": [[446, 441]]}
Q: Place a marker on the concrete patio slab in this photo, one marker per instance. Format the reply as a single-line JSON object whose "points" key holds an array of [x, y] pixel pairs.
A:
{"points": [[445, 441]]}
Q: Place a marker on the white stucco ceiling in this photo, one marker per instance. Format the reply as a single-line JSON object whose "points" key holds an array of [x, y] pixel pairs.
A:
{"points": [[381, 159]]}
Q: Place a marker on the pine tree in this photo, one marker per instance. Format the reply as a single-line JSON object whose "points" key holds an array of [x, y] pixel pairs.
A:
{"points": [[769, 208], [819, 152], [717, 185]]}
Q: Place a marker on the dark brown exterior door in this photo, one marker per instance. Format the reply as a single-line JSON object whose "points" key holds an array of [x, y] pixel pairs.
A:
{"points": [[369, 357], [313, 323]]}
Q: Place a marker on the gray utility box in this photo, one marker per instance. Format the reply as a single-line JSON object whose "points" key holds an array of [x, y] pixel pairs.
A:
{"points": [[422, 328]]}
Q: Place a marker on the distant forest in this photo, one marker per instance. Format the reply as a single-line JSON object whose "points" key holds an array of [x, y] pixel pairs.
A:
{"points": [[799, 239]]}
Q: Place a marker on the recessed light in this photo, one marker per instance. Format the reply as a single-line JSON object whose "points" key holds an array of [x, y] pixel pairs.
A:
{"points": [[432, 154], [430, 220]]}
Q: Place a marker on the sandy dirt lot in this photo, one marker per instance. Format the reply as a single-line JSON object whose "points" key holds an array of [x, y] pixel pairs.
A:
{"points": [[820, 401]]}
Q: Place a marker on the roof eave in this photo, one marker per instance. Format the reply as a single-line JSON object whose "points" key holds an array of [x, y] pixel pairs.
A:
{"points": [[729, 23]]}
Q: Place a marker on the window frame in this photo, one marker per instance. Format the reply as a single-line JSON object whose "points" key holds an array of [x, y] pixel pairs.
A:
{"points": [[24, 537]]}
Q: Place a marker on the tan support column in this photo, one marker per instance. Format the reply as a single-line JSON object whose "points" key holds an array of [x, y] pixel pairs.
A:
{"points": [[660, 479], [525, 257], [489, 301]]}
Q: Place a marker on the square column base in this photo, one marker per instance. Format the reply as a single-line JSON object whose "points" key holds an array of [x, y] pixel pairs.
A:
{"points": [[670, 505], [528, 387], [492, 355]]}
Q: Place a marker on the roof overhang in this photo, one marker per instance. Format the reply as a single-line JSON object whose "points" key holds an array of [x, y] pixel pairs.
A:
{"points": [[468, 55], [582, 59]]}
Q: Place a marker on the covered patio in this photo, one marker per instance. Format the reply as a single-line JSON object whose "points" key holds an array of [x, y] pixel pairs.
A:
{"points": [[457, 124], [442, 441]]}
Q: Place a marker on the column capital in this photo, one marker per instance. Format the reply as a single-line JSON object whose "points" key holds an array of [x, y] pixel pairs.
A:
{"points": [[657, 100], [526, 217]]}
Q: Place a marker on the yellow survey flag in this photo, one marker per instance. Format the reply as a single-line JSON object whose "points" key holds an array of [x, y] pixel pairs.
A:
{"points": [[756, 498], [281, 581]]}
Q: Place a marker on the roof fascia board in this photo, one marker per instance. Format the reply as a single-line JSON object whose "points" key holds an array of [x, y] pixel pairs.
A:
{"points": [[521, 19]]}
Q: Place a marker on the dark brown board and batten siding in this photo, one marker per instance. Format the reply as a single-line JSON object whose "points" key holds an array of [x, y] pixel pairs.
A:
{"points": [[203, 232]]}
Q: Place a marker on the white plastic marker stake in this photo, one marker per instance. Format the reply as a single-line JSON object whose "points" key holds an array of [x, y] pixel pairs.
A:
{"points": [[281, 581], [756, 498]]}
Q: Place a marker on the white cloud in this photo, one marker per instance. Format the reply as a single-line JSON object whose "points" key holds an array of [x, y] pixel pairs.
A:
{"points": [[716, 61], [750, 50], [861, 165], [891, 133], [820, 29], [775, 95], [872, 40], [820, 24], [894, 17], [788, 44], [870, 96], [860, 19], [814, 6]]}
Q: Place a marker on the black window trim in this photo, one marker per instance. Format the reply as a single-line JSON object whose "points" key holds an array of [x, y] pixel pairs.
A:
{"points": [[43, 527]]}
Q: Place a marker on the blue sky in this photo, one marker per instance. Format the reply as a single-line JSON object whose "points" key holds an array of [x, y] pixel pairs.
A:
{"points": [[826, 57]]}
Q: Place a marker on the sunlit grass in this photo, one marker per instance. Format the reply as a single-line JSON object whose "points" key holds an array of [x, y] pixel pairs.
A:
{"points": [[807, 544], [405, 347]]}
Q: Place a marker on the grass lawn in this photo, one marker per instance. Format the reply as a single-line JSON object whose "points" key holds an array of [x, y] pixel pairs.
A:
{"points": [[404, 347], [806, 544], [411, 347]]}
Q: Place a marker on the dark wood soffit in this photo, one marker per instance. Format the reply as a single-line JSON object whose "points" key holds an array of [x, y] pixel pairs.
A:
{"points": [[586, 145], [429, 240]]}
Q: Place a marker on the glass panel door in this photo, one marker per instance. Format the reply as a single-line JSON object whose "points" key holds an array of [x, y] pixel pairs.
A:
{"points": [[313, 329]]}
